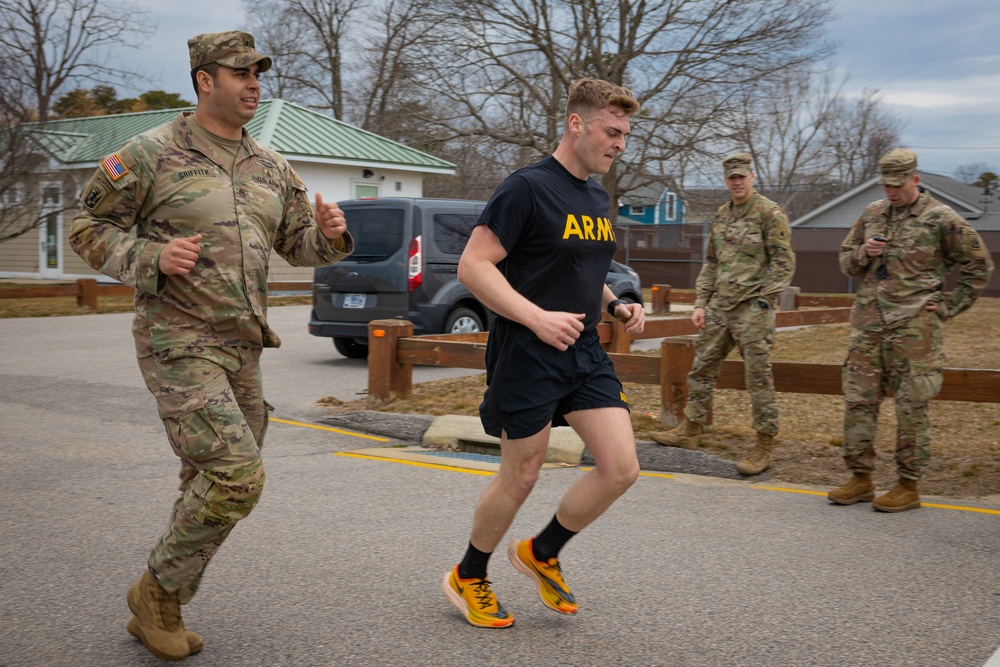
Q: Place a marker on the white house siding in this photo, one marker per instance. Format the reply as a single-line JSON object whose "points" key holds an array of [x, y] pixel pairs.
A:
{"points": [[337, 182]]}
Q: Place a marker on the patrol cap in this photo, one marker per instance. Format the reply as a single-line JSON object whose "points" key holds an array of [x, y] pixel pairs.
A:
{"points": [[897, 166], [233, 48], [738, 163]]}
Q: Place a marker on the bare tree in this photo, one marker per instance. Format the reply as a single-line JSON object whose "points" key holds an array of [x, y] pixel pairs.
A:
{"points": [[809, 139], [46, 45], [861, 132], [387, 101], [307, 40], [500, 70], [49, 47], [782, 123]]}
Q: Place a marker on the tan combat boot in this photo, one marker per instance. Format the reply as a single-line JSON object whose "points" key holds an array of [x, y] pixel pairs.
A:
{"points": [[760, 458], [194, 640], [158, 619], [904, 496], [858, 489], [682, 436]]}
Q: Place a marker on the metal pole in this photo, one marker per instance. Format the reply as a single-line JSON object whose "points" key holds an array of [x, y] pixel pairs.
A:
{"points": [[628, 243]]}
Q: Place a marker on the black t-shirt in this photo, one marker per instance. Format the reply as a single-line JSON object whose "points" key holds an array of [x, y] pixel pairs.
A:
{"points": [[558, 237]]}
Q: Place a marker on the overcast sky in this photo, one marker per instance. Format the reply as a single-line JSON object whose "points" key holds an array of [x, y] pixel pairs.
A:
{"points": [[936, 63]]}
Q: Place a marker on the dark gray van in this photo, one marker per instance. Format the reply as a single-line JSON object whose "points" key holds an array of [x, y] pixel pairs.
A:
{"points": [[405, 266]]}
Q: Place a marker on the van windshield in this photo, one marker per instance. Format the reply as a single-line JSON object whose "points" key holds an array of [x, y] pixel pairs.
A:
{"points": [[377, 232]]}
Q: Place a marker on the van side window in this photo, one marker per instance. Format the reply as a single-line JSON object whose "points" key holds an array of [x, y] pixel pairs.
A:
{"points": [[377, 233], [452, 231]]}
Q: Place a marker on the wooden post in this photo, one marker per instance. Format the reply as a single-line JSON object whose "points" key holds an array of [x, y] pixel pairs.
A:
{"points": [[661, 299], [621, 342], [788, 299], [386, 376], [86, 297], [676, 360]]}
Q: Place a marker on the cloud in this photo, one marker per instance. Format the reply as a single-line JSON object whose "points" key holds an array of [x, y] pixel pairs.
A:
{"points": [[971, 91]]}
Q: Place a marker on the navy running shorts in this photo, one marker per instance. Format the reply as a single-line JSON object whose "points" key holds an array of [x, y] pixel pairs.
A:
{"points": [[530, 383]]}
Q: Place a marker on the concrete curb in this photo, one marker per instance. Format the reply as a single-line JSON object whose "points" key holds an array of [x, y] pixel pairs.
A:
{"points": [[466, 433], [565, 447]]}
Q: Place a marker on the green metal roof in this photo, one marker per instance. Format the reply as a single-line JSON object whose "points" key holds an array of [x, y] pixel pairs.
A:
{"points": [[292, 130]]}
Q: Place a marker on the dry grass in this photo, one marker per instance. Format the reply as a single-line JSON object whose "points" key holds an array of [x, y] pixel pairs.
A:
{"points": [[966, 460], [61, 306]]}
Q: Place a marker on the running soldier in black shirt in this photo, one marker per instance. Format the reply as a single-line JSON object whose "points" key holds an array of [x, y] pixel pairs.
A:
{"points": [[539, 258]]}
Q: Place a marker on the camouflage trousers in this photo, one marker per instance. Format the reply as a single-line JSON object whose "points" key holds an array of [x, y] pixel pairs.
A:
{"points": [[749, 327], [908, 360], [212, 405]]}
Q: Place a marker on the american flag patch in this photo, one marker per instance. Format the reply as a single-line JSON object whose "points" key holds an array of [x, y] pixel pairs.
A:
{"points": [[114, 167]]}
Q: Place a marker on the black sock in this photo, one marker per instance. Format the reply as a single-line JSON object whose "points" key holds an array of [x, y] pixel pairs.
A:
{"points": [[473, 565], [550, 541]]}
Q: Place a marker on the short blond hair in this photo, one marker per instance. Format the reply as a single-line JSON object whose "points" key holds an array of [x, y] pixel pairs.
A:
{"points": [[592, 95]]}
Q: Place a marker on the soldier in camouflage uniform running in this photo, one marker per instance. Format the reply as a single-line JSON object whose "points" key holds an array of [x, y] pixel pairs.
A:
{"points": [[748, 263], [901, 248], [187, 214]]}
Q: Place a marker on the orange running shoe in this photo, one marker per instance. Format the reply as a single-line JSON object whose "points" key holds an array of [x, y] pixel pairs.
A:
{"points": [[552, 588], [475, 599]]}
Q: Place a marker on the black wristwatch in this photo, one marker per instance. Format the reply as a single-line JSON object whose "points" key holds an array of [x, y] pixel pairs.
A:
{"points": [[615, 303]]}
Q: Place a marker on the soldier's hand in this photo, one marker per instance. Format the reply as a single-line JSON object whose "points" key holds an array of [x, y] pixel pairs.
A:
{"points": [[558, 329], [180, 255], [874, 247], [329, 218], [698, 317]]}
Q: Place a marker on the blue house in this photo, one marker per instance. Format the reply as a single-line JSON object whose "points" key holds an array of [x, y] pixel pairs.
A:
{"points": [[652, 204]]}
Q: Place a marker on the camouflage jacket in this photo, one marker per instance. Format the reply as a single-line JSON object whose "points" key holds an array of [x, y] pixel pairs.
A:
{"points": [[747, 257], [168, 183], [922, 247]]}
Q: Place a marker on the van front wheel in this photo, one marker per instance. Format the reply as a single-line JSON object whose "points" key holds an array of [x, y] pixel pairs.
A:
{"points": [[463, 320], [350, 348]]}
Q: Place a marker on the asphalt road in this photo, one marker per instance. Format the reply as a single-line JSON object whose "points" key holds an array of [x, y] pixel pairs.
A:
{"points": [[341, 562]]}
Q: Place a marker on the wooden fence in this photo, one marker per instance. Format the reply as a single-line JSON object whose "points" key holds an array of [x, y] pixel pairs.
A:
{"points": [[87, 290], [791, 299], [393, 351]]}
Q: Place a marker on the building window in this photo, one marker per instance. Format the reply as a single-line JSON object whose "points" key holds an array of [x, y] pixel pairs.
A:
{"points": [[638, 210], [12, 196], [365, 191], [51, 194]]}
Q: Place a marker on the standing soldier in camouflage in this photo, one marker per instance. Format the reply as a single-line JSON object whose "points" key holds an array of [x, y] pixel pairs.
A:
{"points": [[748, 263], [187, 214], [902, 248]]}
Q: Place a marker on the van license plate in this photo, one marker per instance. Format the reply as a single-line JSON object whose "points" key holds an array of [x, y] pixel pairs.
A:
{"points": [[355, 300]]}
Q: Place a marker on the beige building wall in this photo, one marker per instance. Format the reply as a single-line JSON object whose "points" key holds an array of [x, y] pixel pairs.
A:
{"points": [[20, 255]]}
